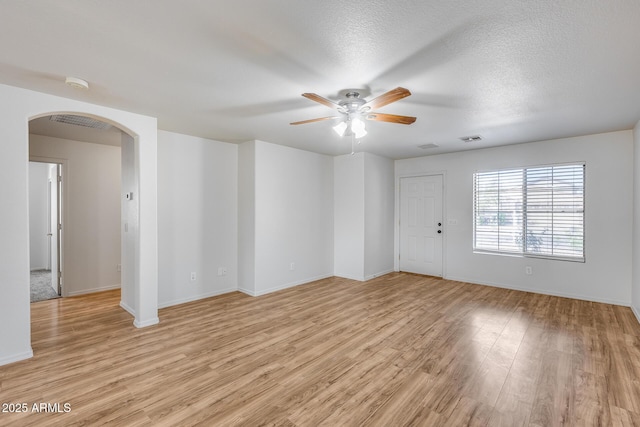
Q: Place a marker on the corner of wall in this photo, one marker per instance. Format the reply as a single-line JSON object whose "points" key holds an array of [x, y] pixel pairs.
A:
{"points": [[635, 252]]}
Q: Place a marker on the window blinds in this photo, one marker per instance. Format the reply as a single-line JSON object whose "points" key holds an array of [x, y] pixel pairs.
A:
{"points": [[536, 211]]}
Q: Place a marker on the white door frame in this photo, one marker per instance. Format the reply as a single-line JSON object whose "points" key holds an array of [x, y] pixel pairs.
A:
{"points": [[396, 223], [63, 201]]}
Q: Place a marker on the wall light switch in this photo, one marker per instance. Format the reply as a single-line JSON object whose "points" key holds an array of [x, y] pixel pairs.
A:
{"points": [[193, 276]]}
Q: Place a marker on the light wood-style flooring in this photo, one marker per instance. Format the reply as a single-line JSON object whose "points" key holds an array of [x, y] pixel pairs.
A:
{"points": [[397, 350]]}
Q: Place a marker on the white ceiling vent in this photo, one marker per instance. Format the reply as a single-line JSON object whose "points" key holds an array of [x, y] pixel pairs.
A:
{"points": [[474, 138], [428, 146], [80, 121]]}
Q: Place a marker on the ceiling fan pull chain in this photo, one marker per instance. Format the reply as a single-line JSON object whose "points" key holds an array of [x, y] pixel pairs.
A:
{"points": [[353, 144]]}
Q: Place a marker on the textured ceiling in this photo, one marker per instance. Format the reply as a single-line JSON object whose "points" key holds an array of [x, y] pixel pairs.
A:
{"points": [[511, 71]]}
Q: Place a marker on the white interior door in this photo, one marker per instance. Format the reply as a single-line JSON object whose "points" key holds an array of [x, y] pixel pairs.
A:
{"points": [[421, 225]]}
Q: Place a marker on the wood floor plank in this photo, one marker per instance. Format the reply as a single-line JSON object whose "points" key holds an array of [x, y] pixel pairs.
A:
{"points": [[406, 404], [401, 349], [553, 404]]}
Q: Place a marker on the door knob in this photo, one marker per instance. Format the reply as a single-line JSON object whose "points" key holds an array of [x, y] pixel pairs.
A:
{"points": [[439, 231], [439, 224]]}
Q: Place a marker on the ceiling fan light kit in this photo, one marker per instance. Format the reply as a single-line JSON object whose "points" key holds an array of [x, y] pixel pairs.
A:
{"points": [[340, 128], [357, 127], [354, 109]]}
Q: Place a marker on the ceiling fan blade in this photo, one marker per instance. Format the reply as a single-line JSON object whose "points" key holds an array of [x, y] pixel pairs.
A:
{"points": [[315, 120], [323, 101], [391, 118], [387, 98]]}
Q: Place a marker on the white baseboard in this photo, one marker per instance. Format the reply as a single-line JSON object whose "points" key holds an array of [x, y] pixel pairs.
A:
{"points": [[149, 322], [248, 292], [635, 311], [16, 357], [381, 273], [285, 286], [541, 291], [350, 277], [127, 308], [92, 290], [195, 297], [136, 323], [364, 278]]}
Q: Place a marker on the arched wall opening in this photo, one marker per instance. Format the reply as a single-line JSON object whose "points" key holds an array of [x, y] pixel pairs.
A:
{"points": [[94, 236], [17, 108]]}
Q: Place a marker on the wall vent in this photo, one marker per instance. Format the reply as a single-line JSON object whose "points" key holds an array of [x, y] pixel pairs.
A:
{"points": [[87, 122]]}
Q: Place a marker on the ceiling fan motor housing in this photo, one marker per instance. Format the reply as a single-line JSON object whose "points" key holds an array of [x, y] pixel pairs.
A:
{"points": [[353, 103]]}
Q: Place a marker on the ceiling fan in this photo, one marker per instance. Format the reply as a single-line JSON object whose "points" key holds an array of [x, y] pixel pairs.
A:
{"points": [[353, 109]]}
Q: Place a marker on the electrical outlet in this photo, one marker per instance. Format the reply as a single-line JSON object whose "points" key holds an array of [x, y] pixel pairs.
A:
{"points": [[292, 266], [528, 270], [193, 276], [220, 271], [224, 271]]}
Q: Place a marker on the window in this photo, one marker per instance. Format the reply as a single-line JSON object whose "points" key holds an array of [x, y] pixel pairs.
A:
{"points": [[537, 211]]}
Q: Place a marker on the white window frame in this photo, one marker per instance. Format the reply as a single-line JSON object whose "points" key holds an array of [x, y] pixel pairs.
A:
{"points": [[522, 252]]}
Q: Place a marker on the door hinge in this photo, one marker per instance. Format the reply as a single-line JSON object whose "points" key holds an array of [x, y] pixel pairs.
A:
{"points": [[59, 178], [59, 226]]}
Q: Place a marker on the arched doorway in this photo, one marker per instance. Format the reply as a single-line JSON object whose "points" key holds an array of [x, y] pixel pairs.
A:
{"points": [[138, 297], [91, 238], [18, 107]]}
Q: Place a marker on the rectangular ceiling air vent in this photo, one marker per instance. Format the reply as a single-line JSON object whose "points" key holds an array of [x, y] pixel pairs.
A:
{"points": [[87, 122], [427, 146], [474, 138]]}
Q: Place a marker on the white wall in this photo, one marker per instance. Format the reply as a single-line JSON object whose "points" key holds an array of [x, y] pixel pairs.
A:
{"points": [[247, 217], [349, 216], [293, 218], [129, 215], [17, 107], [38, 216], [363, 215], [378, 213], [606, 274], [197, 217], [635, 284], [91, 212]]}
